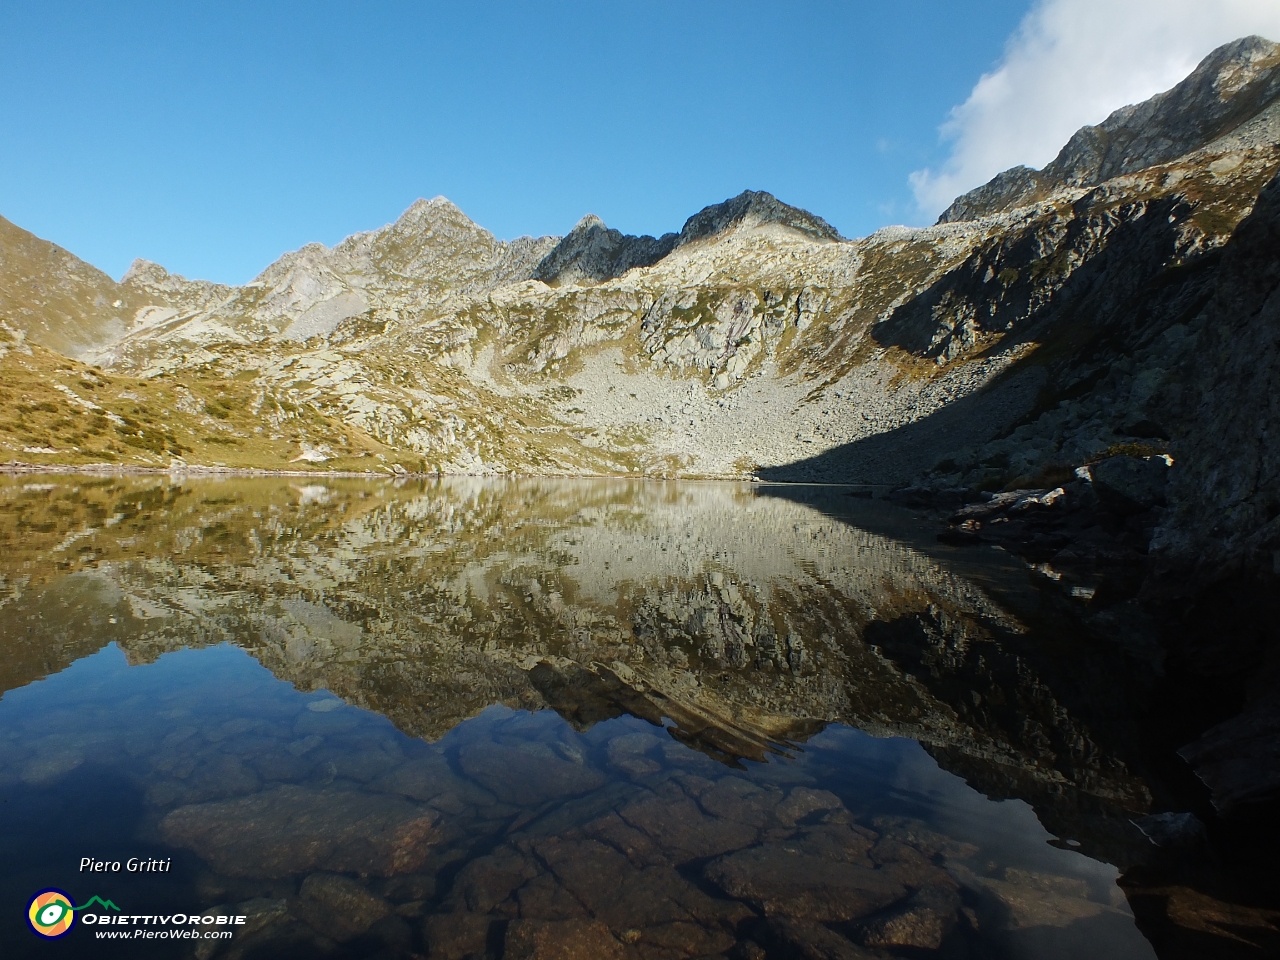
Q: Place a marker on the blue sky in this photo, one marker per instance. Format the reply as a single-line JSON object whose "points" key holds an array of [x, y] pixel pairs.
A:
{"points": [[213, 137]]}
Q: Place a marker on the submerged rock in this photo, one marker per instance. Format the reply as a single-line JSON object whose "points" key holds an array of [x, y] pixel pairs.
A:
{"points": [[456, 936], [923, 921], [560, 940], [291, 830], [487, 881], [803, 801], [741, 801], [339, 907], [681, 940], [682, 831], [812, 941], [527, 774], [782, 881]]}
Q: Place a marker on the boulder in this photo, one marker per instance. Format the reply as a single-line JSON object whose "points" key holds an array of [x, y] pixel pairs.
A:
{"points": [[527, 774], [782, 881], [456, 936], [812, 941], [922, 922], [682, 831], [290, 830], [1130, 484], [338, 907], [560, 940]]}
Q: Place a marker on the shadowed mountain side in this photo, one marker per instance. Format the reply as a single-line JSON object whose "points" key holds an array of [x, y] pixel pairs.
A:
{"points": [[1080, 265], [592, 252], [900, 455], [1085, 306]]}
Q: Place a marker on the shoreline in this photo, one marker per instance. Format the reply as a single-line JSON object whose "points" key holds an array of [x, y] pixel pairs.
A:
{"points": [[19, 468]]}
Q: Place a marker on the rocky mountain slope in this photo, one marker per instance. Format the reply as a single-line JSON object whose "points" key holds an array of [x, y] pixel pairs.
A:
{"points": [[1229, 101], [1035, 330], [61, 301]]}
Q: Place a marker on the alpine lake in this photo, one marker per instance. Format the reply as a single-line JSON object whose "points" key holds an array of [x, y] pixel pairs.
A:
{"points": [[534, 719]]}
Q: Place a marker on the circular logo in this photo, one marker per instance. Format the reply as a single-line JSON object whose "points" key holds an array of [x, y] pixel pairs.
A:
{"points": [[50, 914]]}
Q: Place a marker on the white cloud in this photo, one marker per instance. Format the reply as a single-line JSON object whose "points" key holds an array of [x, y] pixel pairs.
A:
{"points": [[1070, 63]]}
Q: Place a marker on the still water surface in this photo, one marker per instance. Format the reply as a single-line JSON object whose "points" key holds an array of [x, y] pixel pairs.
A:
{"points": [[536, 719]]}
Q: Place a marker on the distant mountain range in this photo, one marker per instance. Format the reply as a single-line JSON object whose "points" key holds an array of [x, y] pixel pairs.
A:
{"points": [[1049, 318]]}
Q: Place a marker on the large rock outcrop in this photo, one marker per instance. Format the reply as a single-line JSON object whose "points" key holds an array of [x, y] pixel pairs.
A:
{"points": [[1234, 90]]}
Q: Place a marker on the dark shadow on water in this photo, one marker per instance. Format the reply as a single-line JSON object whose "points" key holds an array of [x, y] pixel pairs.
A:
{"points": [[1077, 703]]}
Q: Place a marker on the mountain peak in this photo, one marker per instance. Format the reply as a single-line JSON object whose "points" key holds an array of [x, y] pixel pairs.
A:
{"points": [[592, 252], [437, 208], [589, 222], [754, 208], [1236, 83], [144, 271]]}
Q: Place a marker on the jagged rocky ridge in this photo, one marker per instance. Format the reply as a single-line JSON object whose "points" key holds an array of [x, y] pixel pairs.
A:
{"points": [[1229, 100], [592, 252]]}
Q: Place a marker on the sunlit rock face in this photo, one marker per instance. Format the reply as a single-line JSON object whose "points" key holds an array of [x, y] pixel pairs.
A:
{"points": [[1229, 100], [740, 621]]}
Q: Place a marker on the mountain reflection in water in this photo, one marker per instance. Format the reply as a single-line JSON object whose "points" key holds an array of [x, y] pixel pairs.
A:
{"points": [[535, 719]]}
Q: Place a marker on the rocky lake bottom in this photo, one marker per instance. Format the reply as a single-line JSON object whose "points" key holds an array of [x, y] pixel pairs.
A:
{"points": [[550, 719]]}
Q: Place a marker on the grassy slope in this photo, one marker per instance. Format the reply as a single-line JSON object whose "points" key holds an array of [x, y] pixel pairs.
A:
{"points": [[56, 298], [202, 419]]}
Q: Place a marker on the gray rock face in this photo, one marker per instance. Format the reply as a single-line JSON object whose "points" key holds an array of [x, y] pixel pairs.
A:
{"points": [[1010, 188], [592, 252], [291, 830], [1231, 86], [1225, 489], [1130, 484], [152, 280], [754, 208]]}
